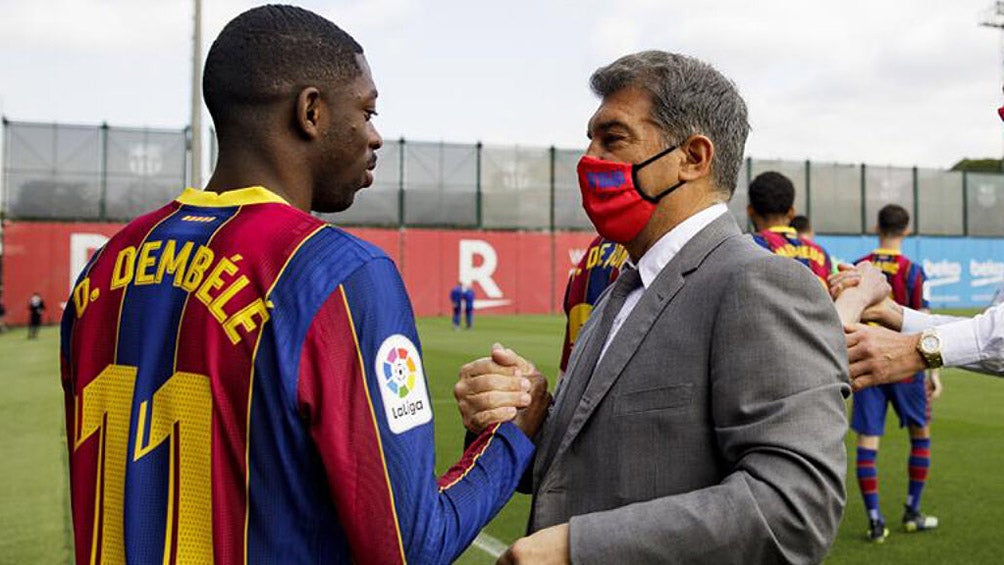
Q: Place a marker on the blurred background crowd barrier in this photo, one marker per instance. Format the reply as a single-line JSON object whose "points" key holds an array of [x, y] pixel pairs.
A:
{"points": [[101, 173]]}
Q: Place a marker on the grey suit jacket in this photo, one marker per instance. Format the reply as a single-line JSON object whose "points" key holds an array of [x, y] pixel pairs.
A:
{"points": [[712, 429]]}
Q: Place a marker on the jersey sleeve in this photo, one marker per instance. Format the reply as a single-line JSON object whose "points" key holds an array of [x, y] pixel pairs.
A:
{"points": [[363, 394], [918, 298]]}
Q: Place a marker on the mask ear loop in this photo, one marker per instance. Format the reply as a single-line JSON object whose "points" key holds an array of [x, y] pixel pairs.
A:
{"points": [[634, 176]]}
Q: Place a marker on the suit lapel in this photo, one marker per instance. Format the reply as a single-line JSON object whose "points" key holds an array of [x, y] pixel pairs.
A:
{"points": [[629, 337]]}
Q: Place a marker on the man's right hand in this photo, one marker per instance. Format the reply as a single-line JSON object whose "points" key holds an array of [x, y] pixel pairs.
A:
{"points": [[502, 387]]}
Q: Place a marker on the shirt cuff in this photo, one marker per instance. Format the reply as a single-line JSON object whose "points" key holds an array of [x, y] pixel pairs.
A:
{"points": [[914, 321], [960, 344]]}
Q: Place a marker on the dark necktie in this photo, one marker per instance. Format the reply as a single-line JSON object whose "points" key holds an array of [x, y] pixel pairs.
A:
{"points": [[577, 379]]}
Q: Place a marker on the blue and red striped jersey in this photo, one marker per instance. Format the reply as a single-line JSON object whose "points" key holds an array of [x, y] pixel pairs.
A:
{"points": [[905, 277], [244, 383], [784, 241], [907, 281], [599, 267]]}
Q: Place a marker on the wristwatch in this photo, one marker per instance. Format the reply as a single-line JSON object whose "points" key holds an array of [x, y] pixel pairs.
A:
{"points": [[929, 348]]}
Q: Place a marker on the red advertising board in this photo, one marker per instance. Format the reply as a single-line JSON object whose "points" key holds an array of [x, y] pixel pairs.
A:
{"points": [[511, 272]]}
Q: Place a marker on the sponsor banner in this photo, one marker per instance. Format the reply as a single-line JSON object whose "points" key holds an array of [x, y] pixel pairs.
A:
{"points": [[45, 257], [962, 272], [510, 272]]}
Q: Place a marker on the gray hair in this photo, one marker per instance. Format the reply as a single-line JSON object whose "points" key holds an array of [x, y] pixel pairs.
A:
{"points": [[689, 97]]}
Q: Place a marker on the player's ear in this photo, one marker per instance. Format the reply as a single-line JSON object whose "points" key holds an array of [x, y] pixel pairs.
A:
{"points": [[308, 112], [749, 211]]}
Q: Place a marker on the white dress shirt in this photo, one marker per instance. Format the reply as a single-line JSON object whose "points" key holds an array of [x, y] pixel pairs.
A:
{"points": [[971, 343], [658, 256]]}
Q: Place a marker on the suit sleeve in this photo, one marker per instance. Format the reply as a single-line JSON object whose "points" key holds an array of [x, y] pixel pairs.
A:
{"points": [[363, 394], [778, 383]]}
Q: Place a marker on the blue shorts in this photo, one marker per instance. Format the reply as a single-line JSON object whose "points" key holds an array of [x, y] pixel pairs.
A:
{"points": [[908, 399]]}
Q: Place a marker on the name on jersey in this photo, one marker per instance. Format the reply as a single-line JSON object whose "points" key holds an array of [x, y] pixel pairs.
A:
{"points": [[801, 252], [606, 255], [888, 267], [213, 281]]}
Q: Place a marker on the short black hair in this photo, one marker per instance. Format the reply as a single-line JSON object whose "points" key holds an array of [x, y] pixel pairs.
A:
{"points": [[771, 193], [268, 52], [801, 223], [893, 219]]}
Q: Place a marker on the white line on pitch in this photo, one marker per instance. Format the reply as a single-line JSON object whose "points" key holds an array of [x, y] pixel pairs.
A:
{"points": [[490, 545]]}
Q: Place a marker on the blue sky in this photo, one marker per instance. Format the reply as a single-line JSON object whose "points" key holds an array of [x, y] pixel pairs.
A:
{"points": [[884, 82]]}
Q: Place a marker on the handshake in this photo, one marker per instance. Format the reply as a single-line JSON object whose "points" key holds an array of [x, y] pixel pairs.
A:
{"points": [[878, 353], [500, 388]]}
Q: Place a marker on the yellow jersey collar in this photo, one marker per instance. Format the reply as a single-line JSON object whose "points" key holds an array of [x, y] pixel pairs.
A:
{"points": [[239, 197], [787, 230], [885, 251]]}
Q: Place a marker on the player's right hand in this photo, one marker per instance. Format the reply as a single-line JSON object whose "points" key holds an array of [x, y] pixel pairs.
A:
{"points": [[499, 388]]}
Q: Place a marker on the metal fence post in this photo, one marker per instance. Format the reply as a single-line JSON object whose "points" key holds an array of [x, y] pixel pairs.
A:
{"points": [[400, 183], [477, 187], [4, 165], [188, 152], [103, 173], [553, 152], [749, 180], [965, 203], [864, 202], [916, 202], [808, 191]]}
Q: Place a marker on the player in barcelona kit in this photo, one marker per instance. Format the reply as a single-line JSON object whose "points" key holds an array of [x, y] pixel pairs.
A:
{"points": [[909, 398], [771, 208], [597, 270], [244, 382]]}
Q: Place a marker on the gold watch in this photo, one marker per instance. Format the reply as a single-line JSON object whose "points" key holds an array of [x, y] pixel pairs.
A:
{"points": [[929, 348]]}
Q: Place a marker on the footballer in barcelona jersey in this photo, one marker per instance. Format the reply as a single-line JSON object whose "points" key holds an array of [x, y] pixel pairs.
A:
{"points": [[243, 382]]}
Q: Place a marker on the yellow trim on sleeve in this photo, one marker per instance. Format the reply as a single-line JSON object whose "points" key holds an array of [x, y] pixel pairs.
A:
{"points": [[376, 427], [239, 197]]}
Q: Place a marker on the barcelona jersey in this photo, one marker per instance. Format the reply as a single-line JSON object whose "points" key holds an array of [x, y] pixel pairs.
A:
{"points": [[244, 384], [784, 241], [905, 277], [597, 269]]}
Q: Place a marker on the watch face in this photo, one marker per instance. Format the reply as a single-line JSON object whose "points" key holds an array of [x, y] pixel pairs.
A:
{"points": [[930, 343]]}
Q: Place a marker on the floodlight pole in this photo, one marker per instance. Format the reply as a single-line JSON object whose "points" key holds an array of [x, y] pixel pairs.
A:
{"points": [[195, 165]]}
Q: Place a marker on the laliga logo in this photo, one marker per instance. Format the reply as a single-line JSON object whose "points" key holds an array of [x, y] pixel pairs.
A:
{"points": [[478, 261], [399, 371], [405, 398]]}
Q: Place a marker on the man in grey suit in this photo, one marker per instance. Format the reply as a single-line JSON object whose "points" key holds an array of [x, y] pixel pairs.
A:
{"points": [[702, 415]]}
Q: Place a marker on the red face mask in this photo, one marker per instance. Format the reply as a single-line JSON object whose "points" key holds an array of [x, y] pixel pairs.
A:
{"points": [[612, 198], [1000, 112]]}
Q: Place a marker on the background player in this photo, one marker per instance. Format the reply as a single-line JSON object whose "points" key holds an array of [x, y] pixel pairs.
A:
{"points": [[457, 299], [803, 227], [243, 382], [771, 208], [468, 296], [909, 398], [35, 308], [597, 270]]}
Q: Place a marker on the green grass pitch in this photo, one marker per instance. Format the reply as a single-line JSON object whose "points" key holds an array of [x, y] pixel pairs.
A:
{"points": [[965, 489]]}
